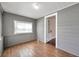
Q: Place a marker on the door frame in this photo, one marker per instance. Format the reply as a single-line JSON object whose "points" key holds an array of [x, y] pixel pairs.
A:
{"points": [[45, 26]]}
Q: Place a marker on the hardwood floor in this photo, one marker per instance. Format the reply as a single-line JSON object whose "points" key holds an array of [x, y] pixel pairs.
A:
{"points": [[34, 49]]}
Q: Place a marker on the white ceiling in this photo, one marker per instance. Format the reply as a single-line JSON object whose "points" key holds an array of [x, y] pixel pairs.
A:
{"points": [[26, 8]]}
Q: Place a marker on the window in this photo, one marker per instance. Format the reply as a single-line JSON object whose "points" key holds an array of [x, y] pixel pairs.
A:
{"points": [[22, 27]]}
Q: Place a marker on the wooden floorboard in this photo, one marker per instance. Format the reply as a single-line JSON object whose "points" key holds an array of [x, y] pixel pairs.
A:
{"points": [[34, 49]]}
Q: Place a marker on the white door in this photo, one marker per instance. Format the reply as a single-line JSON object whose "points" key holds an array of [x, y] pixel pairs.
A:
{"points": [[1, 40], [0, 27], [52, 27]]}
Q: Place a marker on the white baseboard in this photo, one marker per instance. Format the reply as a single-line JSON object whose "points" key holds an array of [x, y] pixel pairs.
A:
{"points": [[50, 39]]}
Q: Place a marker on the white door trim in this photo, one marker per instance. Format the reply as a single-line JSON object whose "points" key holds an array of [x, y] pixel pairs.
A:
{"points": [[45, 23]]}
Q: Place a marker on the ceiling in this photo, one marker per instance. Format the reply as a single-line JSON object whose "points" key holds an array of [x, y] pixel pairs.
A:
{"points": [[27, 9]]}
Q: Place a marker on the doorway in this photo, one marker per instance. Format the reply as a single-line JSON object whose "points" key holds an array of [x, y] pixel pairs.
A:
{"points": [[51, 29]]}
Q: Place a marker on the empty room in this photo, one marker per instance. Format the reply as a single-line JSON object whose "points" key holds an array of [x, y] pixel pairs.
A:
{"points": [[39, 29]]}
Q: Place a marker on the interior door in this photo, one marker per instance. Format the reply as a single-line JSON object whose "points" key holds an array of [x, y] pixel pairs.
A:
{"points": [[52, 27], [1, 40]]}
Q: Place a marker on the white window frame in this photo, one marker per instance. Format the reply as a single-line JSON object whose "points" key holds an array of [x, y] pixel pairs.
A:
{"points": [[15, 21]]}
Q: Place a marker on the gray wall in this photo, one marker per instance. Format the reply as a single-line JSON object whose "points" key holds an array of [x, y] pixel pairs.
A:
{"points": [[8, 29], [40, 29], [1, 40], [68, 29]]}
